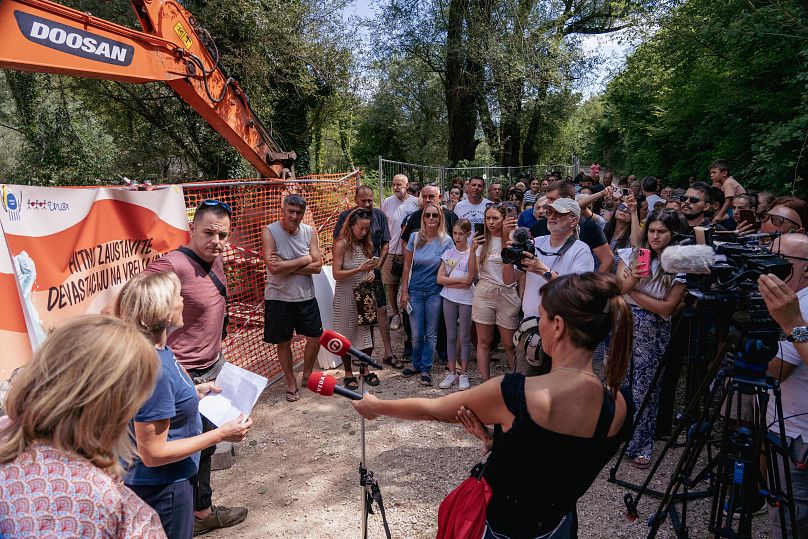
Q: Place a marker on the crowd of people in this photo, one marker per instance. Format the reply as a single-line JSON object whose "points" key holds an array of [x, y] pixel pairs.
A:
{"points": [[583, 264]]}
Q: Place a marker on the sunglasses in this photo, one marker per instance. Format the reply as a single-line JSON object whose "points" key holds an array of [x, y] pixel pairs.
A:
{"points": [[622, 207], [693, 200], [431, 216], [217, 204], [489, 205], [778, 220]]}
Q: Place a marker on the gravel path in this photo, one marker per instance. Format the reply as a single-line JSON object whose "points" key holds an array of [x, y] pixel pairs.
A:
{"points": [[297, 471]]}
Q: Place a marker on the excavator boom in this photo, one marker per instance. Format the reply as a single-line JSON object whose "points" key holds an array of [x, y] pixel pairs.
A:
{"points": [[45, 37]]}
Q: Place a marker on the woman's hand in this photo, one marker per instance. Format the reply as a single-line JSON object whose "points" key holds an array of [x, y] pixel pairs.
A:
{"points": [[476, 241], [508, 226], [475, 427], [206, 389], [368, 265], [367, 407], [746, 228], [235, 430], [631, 202]]}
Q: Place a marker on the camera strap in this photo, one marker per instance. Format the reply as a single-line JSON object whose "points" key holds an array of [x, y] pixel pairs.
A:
{"points": [[564, 248]]}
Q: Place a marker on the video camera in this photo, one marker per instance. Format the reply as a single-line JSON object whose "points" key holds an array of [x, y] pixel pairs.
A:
{"points": [[722, 278]]}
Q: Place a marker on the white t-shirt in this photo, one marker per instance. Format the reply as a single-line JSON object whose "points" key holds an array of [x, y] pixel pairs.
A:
{"points": [[795, 387], [457, 264], [577, 259], [653, 199], [475, 213], [396, 210]]}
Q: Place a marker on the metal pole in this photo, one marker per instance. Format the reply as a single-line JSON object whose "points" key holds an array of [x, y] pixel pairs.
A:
{"points": [[381, 183]]}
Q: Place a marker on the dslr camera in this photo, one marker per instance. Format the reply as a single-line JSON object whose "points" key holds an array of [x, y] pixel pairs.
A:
{"points": [[522, 243]]}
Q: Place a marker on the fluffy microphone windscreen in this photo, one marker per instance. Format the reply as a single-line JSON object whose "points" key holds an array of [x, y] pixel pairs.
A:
{"points": [[688, 259], [334, 342], [322, 383]]}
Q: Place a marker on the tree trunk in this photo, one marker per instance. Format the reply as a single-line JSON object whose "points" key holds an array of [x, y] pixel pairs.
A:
{"points": [[460, 87], [530, 150], [510, 106]]}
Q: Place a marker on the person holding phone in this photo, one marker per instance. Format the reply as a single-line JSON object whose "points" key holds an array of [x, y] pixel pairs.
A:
{"points": [[420, 293], [654, 297], [353, 265]]}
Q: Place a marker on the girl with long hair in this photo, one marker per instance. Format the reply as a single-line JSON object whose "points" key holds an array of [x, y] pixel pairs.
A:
{"points": [[66, 434], [420, 291], [168, 427], [495, 303], [653, 300], [353, 265], [568, 416], [458, 268]]}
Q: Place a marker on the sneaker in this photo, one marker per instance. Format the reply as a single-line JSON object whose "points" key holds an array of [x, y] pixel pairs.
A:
{"points": [[406, 373], [395, 322], [426, 380], [219, 517], [447, 382], [463, 384]]}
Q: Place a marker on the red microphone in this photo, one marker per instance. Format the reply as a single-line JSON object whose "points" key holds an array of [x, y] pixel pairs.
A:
{"points": [[340, 345], [325, 384]]}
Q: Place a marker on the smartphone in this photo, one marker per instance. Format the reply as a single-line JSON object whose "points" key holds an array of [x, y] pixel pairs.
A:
{"points": [[644, 262], [511, 211], [625, 191], [479, 229], [408, 308], [746, 216]]}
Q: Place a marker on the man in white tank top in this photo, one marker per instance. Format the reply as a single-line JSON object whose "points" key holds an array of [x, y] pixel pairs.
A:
{"points": [[292, 255]]}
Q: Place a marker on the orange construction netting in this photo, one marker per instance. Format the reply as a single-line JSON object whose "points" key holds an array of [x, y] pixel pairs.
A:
{"points": [[256, 204]]}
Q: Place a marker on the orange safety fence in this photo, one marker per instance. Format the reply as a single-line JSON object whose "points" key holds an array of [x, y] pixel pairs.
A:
{"points": [[255, 204]]}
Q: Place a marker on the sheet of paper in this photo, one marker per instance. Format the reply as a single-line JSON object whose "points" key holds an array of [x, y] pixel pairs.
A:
{"points": [[240, 391]]}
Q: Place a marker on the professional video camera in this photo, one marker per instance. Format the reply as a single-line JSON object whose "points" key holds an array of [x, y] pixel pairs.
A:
{"points": [[522, 243]]}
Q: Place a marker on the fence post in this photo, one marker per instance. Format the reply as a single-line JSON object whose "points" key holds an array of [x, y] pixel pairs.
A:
{"points": [[381, 183]]}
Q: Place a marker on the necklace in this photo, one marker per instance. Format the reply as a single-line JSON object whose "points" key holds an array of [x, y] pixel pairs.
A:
{"points": [[576, 370]]}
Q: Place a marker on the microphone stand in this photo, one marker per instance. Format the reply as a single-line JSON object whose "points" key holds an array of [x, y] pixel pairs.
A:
{"points": [[370, 491]]}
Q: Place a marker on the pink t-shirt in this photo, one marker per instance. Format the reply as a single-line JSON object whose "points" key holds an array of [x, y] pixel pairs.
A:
{"points": [[732, 188], [196, 344], [46, 492]]}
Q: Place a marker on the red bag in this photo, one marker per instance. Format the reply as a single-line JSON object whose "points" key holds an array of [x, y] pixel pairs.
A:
{"points": [[461, 514]]}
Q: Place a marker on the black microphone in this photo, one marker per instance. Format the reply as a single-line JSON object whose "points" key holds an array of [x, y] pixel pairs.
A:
{"points": [[325, 384], [340, 345]]}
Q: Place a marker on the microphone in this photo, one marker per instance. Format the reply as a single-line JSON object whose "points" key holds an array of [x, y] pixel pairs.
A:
{"points": [[340, 345], [688, 259], [522, 235], [325, 384]]}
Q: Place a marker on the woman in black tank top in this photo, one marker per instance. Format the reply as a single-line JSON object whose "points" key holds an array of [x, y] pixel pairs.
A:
{"points": [[553, 433]]}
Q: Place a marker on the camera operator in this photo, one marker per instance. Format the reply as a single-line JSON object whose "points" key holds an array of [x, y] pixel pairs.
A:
{"points": [[560, 253], [788, 305]]}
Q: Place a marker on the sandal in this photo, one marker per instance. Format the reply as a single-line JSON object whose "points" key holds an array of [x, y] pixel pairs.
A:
{"points": [[371, 379], [350, 382], [394, 362], [293, 396], [642, 462]]}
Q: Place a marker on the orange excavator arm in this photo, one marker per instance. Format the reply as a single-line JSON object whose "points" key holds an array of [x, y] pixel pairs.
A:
{"points": [[45, 37]]}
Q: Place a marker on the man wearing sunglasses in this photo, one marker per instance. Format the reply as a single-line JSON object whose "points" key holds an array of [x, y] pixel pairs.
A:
{"points": [[695, 202], [791, 368], [197, 345]]}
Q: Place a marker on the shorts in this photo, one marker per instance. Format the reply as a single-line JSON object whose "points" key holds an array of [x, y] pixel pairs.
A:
{"points": [[284, 318], [388, 278], [378, 289], [496, 304]]}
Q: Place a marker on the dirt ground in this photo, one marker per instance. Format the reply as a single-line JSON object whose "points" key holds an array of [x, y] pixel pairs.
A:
{"points": [[297, 472]]}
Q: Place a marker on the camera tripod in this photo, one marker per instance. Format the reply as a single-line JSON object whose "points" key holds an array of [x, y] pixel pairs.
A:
{"points": [[733, 473]]}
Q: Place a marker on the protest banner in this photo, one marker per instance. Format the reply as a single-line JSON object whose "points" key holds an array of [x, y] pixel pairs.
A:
{"points": [[71, 250]]}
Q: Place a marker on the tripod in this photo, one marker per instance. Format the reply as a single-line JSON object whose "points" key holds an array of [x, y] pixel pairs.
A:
{"points": [[734, 474], [370, 491]]}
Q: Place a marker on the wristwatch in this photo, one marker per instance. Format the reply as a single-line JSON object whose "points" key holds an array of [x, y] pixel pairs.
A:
{"points": [[548, 276], [798, 334]]}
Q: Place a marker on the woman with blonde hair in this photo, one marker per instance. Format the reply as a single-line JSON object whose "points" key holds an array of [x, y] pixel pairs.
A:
{"points": [[495, 303], [420, 289], [168, 428], [66, 433]]}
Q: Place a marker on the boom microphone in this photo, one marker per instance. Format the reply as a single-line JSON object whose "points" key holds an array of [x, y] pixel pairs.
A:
{"points": [[325, 384], [688, 259], [340, 345]]}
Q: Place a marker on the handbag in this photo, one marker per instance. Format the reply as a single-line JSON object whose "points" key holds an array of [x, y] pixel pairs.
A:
{"points": [[397, 266], [462, 512], [366, 311]]}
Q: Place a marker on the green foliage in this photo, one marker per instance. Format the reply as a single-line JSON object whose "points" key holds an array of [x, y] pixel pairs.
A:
{"points": [[720, 79]]}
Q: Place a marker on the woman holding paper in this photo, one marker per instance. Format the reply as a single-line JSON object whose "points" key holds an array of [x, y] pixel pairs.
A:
{"points": [[168, 428]]}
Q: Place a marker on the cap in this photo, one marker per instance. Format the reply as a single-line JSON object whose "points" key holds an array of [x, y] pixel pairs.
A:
{"points": [[565, 205]]}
